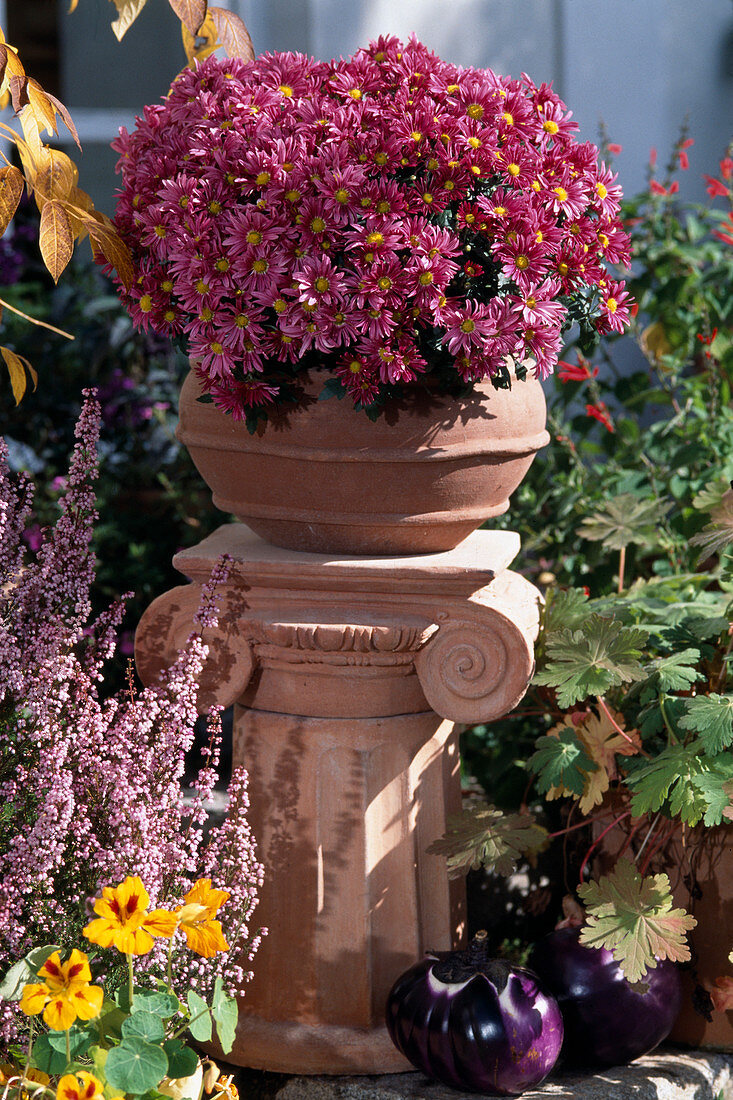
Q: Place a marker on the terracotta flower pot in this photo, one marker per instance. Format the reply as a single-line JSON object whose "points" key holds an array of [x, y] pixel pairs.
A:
{"points": [[325, 478]]}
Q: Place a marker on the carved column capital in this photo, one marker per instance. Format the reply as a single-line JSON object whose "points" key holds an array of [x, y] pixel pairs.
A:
{"points": [[165, 628]]}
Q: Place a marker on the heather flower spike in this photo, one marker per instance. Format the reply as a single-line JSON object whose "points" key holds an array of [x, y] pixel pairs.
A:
{"points": [[65, 994], [124, 922]]}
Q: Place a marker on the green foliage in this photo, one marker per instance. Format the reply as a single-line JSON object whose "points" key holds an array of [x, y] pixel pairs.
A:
{"points": [[588, 661], [633, 917], [483, 836], [561, 762], [135, 1066], [711, 718], [624, 520]]}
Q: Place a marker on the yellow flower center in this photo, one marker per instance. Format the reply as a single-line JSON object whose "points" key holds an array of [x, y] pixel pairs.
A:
{"points": [[549, 126], [279, 305], [355, 93], [169, 315], [292, 196], [286, 90], [508, 118], [375, 238], [425, 278], [611, 305], [146, 303], [474, 142], [183, 202], [384, 283], [383, 207], [522, 262], [513, 169], [241, 320], [341, 195], [468, 325], [214, 207], [427, 197], [561, 193], [475, 110], [166, 286], [602, 190], [355, 366], [262, 178], [202, 287], [318, 224], [260, 266], [321, 284], [416, 136], [216, 347], [160, 230], [222, 264], [563, 269], [254, 237], [206, 314]]}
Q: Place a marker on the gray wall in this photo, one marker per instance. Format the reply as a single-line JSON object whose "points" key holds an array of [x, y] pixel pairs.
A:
{"points": [[640, 66]]}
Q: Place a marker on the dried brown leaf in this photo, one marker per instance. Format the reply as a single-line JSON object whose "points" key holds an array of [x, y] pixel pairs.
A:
{"points": [[68, 120], [17, 365]]}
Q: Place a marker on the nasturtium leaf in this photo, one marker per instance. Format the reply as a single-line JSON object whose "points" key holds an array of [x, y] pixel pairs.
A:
{"points": [[144, 1025], [164, 1005], [182, 1061], [225, 1010], [108, 1024], [561, 761], [587, 662], [136, 1066], [633, 917], [484, 836], [200, 1024], [49, 1049], [19, 974], [711, 718]]}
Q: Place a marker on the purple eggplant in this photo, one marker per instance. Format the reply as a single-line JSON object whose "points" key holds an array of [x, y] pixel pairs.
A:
{"points": [[607, 1021], [474, 1022]]}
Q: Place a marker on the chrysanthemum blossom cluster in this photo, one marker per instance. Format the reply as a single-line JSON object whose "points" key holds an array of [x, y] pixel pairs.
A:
{"points": [[381, 217], [91, 789]]}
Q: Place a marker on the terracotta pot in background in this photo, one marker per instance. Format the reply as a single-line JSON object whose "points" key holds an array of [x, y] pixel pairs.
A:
{"points": [[325, 478]]}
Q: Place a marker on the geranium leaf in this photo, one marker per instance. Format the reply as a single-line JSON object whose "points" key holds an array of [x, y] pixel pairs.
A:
{"points": [[676, 672], [484, 836], [633, 917], [657, 780], [716, 788], [561, 761], [718, 534], [711, 718], [625, 519], [565, 609], [588, 662], [135, 1066]]}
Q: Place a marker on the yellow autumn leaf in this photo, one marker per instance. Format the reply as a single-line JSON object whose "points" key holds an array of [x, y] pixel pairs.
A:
{"points": [[192, 13], [42, 107], [232, 34], [73, 6], [127, 13], [108, 243], [207, 38], [11, 190], [55, 176], [56, 238], [17, 366]]}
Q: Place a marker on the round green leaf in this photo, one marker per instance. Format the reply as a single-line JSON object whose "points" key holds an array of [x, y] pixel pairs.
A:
{"points": [[182, 1061], [161, 1004], [136, 1066], [144, 1025]]}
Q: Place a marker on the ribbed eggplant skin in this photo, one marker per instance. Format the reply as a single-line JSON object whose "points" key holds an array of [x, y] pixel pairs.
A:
{"points": [[473, 1035], [607, 1022]]}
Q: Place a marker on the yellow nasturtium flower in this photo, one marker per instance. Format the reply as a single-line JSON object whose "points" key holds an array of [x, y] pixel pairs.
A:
{"points": [[80, 1086], [124, 921], [65, 994], [204, 933]]}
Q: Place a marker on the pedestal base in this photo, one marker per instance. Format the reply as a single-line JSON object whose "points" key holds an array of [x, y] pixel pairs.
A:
{"points": [[342, 671]]}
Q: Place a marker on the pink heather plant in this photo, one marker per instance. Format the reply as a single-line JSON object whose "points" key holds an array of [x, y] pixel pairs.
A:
{"points": [[91, 789], [381, 218]]}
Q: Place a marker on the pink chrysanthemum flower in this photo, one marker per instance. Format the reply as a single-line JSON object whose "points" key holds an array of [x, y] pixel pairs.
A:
{"points": [[364, 208]]}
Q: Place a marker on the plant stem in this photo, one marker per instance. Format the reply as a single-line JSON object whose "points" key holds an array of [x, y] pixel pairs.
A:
{"points": [[169, 969], [27, 1058], [604, 707], [68, 1048], [650, 830], [130, 978], [34, 320], [621, 568], [186, 1026], [672, 739], [597, 841], [580, 825]]}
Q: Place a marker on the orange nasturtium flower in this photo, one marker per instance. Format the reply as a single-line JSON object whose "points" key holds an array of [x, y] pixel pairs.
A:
{"points": [[123, 919], [197, 919], [65, 994], [79, 1086]]}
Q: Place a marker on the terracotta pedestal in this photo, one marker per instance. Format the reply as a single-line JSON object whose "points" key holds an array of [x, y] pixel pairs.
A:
{"points": [[347, 675]]}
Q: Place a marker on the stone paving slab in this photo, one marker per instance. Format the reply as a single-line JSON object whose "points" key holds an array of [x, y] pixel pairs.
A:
{"points": [[665, 1075]]}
